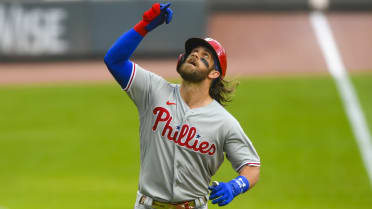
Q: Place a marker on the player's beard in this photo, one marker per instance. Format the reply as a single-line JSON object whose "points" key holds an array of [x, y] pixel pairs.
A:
{"points": [[192, 74]]}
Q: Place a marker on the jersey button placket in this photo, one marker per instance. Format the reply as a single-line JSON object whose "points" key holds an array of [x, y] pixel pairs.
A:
{"points": [[178, 160], [176, 181]]}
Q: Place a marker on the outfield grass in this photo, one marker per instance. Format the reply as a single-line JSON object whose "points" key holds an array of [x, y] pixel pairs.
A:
{"points": [[76, 146]]}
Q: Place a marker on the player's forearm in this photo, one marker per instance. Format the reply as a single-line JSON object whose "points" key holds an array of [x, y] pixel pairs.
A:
{"points": [[117, 58], [252, 173], [123, 48]]}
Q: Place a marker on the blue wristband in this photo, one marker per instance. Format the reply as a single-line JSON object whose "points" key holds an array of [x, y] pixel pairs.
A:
{"points": [[240, 185]]}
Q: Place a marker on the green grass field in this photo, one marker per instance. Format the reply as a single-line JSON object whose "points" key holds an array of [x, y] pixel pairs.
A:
{"points": [[75, 146]]}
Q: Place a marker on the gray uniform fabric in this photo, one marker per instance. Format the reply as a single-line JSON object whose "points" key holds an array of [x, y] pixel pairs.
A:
{"points": [[182, 148]]}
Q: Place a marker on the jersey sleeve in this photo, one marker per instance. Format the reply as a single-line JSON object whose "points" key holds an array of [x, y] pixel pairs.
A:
{"points": [[117, 57], [143, 85], [239, 149]]}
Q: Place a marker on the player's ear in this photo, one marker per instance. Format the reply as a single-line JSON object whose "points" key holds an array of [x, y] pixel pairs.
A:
{"points": [[214, 74]]}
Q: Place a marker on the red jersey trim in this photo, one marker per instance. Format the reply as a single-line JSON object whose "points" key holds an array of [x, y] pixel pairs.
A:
{"points": [[253, 164], [131, 77], [248, 164]]}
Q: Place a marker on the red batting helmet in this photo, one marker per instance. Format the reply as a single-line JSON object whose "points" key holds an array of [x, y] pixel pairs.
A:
{"points": [[214, 46]]}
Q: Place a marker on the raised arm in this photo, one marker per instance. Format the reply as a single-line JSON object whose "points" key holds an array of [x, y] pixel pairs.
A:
{"points": [[117, 57]]}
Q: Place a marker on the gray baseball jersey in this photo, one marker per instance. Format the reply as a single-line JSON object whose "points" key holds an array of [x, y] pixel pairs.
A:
{"points": [[182, 148]]}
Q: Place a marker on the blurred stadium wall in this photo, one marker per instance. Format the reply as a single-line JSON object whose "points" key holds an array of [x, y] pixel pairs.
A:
{"points": [[261, 35], [69, 29]]}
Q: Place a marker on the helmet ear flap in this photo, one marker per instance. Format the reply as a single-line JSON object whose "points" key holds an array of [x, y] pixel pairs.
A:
{"points": [[181, 60]]}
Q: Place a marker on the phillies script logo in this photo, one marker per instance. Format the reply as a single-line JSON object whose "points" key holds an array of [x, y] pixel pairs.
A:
{"points": [[183, 136]]}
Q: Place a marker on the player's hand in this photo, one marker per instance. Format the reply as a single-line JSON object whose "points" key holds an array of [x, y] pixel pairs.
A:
{"points": [[221, 194], [155, 16]]}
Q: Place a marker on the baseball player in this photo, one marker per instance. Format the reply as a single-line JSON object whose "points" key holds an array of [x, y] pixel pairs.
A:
{"points": [[184, 128]]}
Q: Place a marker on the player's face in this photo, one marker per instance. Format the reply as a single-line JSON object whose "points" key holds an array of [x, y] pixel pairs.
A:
{"points": [[197, 65]]}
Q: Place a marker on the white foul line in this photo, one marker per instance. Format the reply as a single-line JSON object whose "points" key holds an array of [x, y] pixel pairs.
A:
{"points": [[350, 101]]}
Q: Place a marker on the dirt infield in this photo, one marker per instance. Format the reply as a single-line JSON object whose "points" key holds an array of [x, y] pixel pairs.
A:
{"points": [[256, 44]]}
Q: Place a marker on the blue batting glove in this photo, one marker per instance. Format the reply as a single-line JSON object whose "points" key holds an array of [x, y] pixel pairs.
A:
{"points": [[221, 194], [167, 12], [153, 17], [165, 15], [224, 193]]}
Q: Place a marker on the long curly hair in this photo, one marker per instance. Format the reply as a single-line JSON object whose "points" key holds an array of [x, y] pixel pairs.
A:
{"points": [[221, 90]]}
